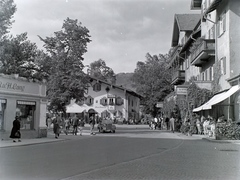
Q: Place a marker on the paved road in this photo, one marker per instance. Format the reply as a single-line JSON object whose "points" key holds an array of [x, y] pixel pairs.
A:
{"points": [[131, 153]]}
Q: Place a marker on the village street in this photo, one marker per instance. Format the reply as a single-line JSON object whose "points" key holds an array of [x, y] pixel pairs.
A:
{"points": [[133, 152]]}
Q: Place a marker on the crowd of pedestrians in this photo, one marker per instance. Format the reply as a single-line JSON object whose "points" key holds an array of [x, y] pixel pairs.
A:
{"points": [[70, 125]]}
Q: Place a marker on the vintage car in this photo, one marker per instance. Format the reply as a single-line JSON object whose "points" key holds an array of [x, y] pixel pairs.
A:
{"points": [[106, 126]]}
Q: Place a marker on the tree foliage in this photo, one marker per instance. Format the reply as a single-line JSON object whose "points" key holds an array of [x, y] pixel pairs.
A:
{"points": [[152, 79], [7, 9], [66, 77], [18, 56], [100, 70]]}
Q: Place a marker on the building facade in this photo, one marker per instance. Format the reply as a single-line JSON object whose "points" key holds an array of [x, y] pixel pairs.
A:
{"points": [[19, 97], [107, 100], [208, 54]]}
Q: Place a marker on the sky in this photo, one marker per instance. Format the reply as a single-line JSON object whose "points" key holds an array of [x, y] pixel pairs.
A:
{"points": [[122, 31]]}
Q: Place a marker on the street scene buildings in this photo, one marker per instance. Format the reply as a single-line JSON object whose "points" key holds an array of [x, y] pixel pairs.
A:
{"points": [[205, 52]]}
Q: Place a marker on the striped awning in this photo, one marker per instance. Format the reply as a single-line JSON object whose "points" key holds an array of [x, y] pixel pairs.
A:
{"points": [[27, 102], [3, 101]]}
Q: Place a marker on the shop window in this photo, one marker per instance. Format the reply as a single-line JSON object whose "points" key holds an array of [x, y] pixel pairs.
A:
{"points": [[25, 110], [103, 101], [97, 87], [2, 108]]}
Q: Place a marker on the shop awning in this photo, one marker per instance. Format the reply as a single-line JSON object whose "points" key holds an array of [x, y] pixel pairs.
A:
{"points": [[3, 101], [27, 102], [217, 99], [75, 108]]}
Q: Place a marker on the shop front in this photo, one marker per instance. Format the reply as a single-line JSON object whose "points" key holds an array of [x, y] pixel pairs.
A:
{"points": [[19, 97]]}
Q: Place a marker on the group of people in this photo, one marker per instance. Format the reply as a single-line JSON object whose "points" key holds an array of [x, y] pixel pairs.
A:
{"points": [[75, 122], [160, 123], [202, 125]]}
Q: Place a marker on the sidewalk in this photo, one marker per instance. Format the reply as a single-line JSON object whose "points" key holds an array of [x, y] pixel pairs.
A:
{"points": [[162, 134]]}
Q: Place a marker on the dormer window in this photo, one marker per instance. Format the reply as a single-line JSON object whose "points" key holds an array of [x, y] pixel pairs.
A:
{"points": [[97, 87]]}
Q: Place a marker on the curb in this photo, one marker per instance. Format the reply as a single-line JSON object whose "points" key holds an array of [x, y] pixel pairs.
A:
{"points": [[222, 141]]}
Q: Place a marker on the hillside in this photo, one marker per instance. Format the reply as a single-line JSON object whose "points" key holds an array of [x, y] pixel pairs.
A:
{"points": [[124, 79]]}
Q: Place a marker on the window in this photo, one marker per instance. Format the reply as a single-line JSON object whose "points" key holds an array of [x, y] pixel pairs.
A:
{"points": [[187, 63], [119, 101], [223, 65], [103, 101], [211, 33], [89, 100], [111, 101], [221, 24], [25, 110], [2, 108], [97, 87], [203, 76], [211, 73]]}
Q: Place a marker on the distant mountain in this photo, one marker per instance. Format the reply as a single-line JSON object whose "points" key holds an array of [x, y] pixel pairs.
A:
{"points": [[124, 79]]}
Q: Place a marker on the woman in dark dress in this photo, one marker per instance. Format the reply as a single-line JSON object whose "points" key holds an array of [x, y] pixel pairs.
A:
{"points": [[15, 133]]}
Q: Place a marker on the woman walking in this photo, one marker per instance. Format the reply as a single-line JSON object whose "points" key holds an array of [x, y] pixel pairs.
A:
{"points": [[56, 125], [15, 133]]}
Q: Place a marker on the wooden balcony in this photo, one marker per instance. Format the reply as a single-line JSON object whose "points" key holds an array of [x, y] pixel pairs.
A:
{"points": [[178, 77], [203, 52]]}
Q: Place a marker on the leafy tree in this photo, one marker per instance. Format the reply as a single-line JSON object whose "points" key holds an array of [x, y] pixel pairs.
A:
{"points": [[100, 70], [18, 56], [66, 77], [7, 9], [152, 79]]}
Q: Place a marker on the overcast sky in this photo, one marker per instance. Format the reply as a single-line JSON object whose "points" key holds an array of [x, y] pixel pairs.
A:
{"points": [[122, 31]]}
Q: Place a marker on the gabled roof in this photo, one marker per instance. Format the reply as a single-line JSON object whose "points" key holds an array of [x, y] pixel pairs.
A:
{"points": [[118, 87], [183, 22]]}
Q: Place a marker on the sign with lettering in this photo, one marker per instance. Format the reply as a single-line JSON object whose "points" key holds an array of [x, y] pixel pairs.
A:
{"points": [[181, 90], [11, 86], [159, 105], [21, 87]]}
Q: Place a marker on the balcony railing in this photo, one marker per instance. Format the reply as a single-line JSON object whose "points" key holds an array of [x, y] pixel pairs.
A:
{"points": [[178, 77], [202, 52]]}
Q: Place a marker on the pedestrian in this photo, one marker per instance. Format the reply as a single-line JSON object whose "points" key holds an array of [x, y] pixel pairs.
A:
{"points": [[75, 122], [49, 121], [172, 124], [155, 123], [198, 123], [81, 125], [67, 125], [206, 125], [92, 123], [56, 125], [15, 133], [167, 122]]}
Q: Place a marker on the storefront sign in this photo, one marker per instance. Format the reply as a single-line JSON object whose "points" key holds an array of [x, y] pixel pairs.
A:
{"points": [[21, 87], [181, 90], [11, 86], [159, 105]]}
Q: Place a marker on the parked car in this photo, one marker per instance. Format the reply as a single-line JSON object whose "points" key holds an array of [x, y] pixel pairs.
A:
{"points": [[106, 126]]}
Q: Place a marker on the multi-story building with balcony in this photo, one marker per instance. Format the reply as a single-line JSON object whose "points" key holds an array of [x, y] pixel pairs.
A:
{"points": [[210, 55]]}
